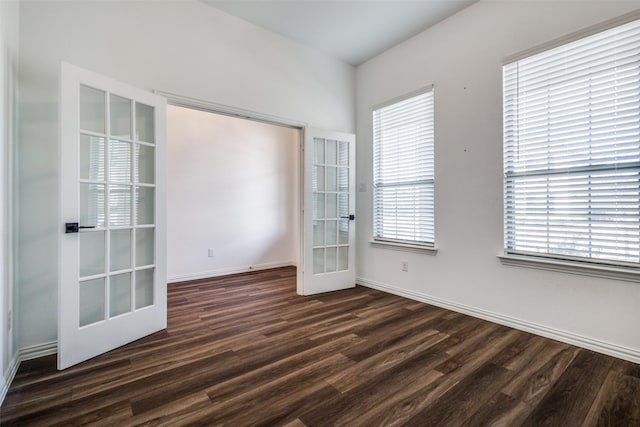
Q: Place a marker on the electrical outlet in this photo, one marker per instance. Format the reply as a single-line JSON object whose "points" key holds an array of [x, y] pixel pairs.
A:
{"points": [[211, 253], [404, 265]]}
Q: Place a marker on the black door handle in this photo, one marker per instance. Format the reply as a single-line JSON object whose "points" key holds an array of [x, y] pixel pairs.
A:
{"points": [[350, 217], [73, 227]]}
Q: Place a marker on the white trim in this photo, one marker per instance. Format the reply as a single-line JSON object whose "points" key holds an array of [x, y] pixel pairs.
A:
{"points": [[573, 267], [9, 375], [407, 247], [227, 271], [212, 107], [38, 350], [577, 35], [621, 352], [24, 354]]}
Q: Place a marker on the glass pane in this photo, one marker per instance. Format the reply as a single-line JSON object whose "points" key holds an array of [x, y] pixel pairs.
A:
{"points": [[120, 117], [145, 246], [92, 257], [318, 261], [331, 259], [317, 180], [318, 233], [331, 153], [318, 205], [120, 247], [144, 288], [343, 153], [318, 144], [120, 205], [91, 301], [145, 205], [343, 258], [92, 205], [343, 179], [144, 123], [119, 161], [91, 158], [343, 232], [92, 109], [332, 205], [343, 205], [145, 164], [119, 294], [332, 179], [332, 232]]}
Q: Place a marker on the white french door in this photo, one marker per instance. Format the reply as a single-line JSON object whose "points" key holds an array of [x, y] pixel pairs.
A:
{"points": [[112, 273], [329, 214]]}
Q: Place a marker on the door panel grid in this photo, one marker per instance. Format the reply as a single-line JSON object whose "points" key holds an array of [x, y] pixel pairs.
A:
{"points": [[330, 210], [117, 205]]}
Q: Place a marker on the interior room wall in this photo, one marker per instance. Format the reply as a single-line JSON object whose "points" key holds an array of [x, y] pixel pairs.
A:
{"points": [[181, 47], [9, 16], [232, 186], [462, 56]]}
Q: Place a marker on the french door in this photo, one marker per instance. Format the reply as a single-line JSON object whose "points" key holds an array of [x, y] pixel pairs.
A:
{"points": [[112, 273], [329, 214]]}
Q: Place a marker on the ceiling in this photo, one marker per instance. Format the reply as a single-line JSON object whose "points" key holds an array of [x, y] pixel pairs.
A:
{"points": [[352, 31]]}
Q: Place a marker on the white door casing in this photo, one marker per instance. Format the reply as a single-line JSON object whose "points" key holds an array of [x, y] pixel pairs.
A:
{"points": [[329, 211], [112, 271]]}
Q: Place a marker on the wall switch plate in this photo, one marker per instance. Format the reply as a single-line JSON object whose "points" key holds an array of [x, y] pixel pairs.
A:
{"points": [[211, 253]]}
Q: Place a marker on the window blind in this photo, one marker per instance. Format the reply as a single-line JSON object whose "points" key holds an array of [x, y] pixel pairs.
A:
{"points": [[572, 149], [403, 136]]}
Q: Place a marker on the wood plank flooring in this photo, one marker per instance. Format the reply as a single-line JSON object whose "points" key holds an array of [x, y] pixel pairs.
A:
{"points": [[246, 350]]}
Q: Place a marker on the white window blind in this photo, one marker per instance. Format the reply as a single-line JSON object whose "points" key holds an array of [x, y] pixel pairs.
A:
{"points": [[404, 170], [572, 149]]}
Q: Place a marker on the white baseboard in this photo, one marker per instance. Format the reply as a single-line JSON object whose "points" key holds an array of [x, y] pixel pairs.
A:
{"points": [[610, 349], [26, 353], [8, 376], [227, 271]]}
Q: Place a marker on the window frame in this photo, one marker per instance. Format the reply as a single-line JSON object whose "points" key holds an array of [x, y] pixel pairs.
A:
{"points": [[595, 267], [417, 246]]}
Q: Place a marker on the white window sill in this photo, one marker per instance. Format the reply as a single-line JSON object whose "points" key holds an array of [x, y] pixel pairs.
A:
{"points": [[407, 247], [628, 274]]}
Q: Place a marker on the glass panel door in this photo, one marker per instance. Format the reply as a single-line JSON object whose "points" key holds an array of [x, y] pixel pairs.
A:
{"points": [[112, 278], [329, 231]]}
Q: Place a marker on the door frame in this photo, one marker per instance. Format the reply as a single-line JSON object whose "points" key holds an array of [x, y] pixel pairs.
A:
{"points": [[211, 107]]}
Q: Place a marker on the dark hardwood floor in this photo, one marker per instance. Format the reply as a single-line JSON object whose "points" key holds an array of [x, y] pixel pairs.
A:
{"points": [[246, 350]]}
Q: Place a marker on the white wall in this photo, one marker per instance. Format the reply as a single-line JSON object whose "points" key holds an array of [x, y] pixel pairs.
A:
{"points": [[232, 185], [9, 16], [462, 56], [182, 47]]}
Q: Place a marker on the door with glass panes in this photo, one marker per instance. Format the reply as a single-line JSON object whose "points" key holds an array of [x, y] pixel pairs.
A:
{"points": [[329, 215], [112, 284]]}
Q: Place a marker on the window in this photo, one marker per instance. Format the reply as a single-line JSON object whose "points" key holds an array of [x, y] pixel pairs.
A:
{"points": [[403, 171], [572, 150]]}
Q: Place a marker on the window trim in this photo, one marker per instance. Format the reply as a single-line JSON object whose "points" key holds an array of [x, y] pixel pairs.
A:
{"points": [[574, 36], [582, 268], [405, 245], [402, 245]]}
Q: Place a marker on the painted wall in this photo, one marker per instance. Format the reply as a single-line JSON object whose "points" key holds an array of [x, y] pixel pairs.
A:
{"points": [[462, 56], [9, 17], [182, 47], [232, 185]]}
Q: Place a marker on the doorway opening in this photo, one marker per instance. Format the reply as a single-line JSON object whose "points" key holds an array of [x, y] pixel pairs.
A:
{"points": [[233, 194]]}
